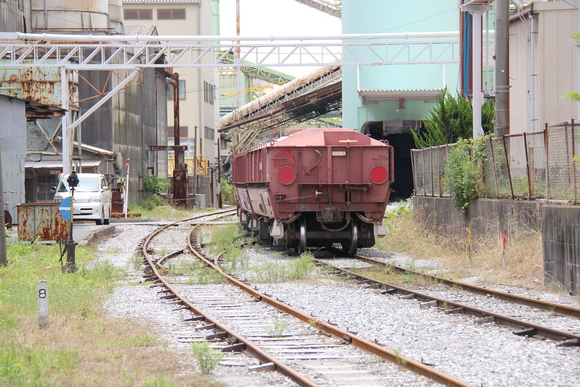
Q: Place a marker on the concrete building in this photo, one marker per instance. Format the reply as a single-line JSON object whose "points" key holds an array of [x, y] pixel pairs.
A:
{"points": [[198, 95], [544, 64], [387, 101]]}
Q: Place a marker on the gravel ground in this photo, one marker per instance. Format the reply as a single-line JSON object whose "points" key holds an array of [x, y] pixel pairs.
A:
{"points": [[484, 355]]}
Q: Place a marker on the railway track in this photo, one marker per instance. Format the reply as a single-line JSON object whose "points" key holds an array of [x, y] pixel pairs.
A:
{"points": [[309, 351], [551, 307], [451, 306]]}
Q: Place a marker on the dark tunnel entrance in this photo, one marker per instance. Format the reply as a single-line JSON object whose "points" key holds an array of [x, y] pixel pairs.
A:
{"points": [[398, 134]]}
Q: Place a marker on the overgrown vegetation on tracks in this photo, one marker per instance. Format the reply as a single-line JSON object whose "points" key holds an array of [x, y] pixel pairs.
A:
{"points": [[233, 253], [81, 346], [523, 255]]}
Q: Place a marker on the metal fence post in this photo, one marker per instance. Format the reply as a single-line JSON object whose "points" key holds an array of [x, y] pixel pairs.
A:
{"points": [[493, 164], [424, 173], [573, 161], [528, 167], [508, 166], [432, 182]]}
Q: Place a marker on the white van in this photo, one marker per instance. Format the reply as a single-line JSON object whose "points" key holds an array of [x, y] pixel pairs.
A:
{"points": [[92, 197]]}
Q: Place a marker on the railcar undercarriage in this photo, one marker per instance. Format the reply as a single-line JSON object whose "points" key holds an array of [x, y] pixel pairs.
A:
{"points": [[307, 231]]}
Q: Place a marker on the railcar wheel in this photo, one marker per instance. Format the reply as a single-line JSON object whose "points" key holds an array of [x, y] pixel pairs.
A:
{"points": [[302, 238], [352, 246]]}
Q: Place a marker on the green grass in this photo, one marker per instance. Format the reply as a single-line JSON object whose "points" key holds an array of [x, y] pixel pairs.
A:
{"points": [[81, 345]]}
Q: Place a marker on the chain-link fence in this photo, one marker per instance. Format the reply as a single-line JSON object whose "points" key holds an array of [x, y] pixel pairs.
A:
{"points": [[541, 165]]}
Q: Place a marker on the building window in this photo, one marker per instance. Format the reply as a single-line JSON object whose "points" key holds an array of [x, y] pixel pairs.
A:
{"points": [[209, 133], [45, 183], [138, 14], [208, 92], [182, 131], [181, 90], [171, 14]]}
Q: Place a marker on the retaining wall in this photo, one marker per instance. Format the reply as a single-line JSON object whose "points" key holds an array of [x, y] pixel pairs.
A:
{"points": [[559, 224]]}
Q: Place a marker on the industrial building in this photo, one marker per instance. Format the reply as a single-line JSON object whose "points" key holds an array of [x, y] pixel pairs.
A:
{"points": [[198, 107], [128, 120]]}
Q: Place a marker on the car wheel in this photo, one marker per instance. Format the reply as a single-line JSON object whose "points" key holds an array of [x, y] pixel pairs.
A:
{"points": [[100, 221]]}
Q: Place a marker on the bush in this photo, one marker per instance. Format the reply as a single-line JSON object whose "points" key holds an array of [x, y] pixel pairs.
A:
{"points": [[227, 192], [451, 119], [153, 186], [462, 172]]}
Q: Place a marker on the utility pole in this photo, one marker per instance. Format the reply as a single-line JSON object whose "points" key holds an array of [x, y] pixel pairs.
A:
{"points": [[3, 256], [502, 93]]}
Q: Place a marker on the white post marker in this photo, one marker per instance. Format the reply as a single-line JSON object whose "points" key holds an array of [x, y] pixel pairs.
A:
{"points": [[43, 304], [126, 193]]}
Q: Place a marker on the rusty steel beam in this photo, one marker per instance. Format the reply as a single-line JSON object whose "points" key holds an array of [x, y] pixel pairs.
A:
{"points": [[180, 170]]}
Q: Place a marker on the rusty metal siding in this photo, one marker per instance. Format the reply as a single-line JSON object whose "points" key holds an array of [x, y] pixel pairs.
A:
{"points": [[38, 84], [41, 222], [13, 150]]}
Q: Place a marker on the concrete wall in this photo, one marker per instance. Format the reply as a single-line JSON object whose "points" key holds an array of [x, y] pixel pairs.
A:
{"points": [[487, 218], [561, 237]]}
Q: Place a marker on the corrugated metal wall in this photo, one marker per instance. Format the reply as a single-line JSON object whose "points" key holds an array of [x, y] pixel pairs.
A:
{"points": [[128, 122], [13, 150], [15, 16]]}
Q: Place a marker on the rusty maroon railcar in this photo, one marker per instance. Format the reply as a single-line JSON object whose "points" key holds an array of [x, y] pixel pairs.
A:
{"points": [[315, 188]]}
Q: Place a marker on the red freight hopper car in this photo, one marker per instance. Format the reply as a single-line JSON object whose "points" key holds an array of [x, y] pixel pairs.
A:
{"points": [[315, 188]]}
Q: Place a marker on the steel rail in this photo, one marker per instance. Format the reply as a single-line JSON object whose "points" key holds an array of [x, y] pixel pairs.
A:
{"points": [[522, 328], [366, 345], [246, 344], [543, 305]]}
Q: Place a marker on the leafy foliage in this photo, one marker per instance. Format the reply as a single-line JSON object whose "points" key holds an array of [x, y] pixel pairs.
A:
{"points": [[462, 172], [228, 192], [155, 184], [451, 119]]}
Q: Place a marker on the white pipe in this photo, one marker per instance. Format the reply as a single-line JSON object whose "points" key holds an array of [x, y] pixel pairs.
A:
{"points": [[204, 38], [66, 140], [477, 100]]}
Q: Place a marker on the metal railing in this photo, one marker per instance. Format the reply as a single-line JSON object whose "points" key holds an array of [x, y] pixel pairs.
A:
{"points": [[540, 165]]}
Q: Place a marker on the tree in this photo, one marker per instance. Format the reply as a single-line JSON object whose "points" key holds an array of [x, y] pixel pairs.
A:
{"points": [[451, 119]]}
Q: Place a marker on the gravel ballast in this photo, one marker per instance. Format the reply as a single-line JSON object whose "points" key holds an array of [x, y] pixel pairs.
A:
{"points": [[484, 355]]}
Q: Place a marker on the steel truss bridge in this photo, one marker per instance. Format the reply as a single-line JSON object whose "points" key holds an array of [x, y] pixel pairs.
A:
{"points": [[107, 52], [134, 52]]}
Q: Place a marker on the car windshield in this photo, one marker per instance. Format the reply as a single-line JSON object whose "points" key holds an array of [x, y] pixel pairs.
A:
{"points": [[86, 184]]}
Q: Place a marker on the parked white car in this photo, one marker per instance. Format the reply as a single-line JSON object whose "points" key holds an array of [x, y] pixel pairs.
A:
{"points": [[92, 197]]}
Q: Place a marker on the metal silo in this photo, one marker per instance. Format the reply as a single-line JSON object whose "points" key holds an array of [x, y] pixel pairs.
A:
{"points": [[70, 16], [116, 17]]}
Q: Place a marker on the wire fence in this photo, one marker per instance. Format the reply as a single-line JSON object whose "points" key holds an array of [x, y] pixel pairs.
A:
{"points": [[540, 165]]}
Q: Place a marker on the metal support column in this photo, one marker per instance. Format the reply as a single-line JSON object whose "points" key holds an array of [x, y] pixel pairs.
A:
{"points": [[502, 93], [476, 12]]}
